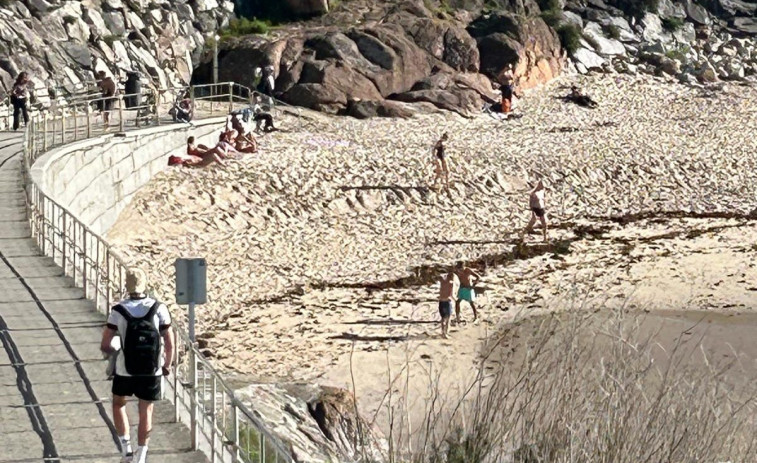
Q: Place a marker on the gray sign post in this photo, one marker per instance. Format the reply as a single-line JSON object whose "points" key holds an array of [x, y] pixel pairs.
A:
{"points": [[191, 287]]}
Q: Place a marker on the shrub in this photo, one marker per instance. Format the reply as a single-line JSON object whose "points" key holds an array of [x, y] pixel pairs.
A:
{"points": [[547, 5], [552, 18], [570, 37], [672, 24], [613, 31], [586, 386], [5, 3], [244, 26], [110, 39]]}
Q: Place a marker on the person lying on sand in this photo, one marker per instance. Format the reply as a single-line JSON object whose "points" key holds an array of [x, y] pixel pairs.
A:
{"points": [[536, 204], [446, 288], [466, 292], [197, 156], [441, 169], [580, 99]]}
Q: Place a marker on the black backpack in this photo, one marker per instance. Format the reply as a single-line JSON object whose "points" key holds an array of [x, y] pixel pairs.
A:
{"points": [[141, 346]]}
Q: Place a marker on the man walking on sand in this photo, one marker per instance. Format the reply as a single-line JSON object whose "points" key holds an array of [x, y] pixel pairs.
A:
{"points": [[446, 289], [466, 291], [537, 205], [144, 327]]}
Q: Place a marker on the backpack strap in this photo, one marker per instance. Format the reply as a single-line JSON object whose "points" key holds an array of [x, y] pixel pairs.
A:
{"points": [[122, 310], [153, 310]]}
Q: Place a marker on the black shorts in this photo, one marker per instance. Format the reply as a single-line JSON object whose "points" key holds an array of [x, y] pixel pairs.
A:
{"points": [[538, 211], [445, 309], [106, 104], [142, 387]]}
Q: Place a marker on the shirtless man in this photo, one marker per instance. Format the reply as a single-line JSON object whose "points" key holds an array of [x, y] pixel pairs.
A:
{"points": [[536, 203], [466, 291], [441, 170], [108, 88], [446, 288]]}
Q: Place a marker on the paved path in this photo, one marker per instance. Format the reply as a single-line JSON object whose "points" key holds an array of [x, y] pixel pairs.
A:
{"points": [[55, 403]]}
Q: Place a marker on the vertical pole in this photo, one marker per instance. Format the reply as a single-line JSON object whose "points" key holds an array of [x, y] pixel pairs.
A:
{"points": [[76, 124], [213, 392], [44, 134], [234, 431], [97, 274], [63, 126], [215, 59], [231, 97], [120, 113], [176, 377], [192, 323], [63, 247], [108, 281], [89, 121], [193, 395], [84, 263]]}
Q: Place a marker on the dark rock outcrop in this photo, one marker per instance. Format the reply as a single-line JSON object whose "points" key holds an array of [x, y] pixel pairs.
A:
{"points": [[412, 54]]}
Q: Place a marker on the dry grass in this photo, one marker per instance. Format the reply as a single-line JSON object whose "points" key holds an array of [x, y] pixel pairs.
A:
{"points": [[584, 388]]}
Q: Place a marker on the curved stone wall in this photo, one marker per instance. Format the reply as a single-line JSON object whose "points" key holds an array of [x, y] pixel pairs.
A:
{"points": [[95, 179]]}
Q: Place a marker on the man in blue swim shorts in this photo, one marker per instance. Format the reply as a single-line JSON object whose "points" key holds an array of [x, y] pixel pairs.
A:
{"points": [[466, 291], [446, 288]]}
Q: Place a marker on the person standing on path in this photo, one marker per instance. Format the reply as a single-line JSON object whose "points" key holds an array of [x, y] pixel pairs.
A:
{"points": [[446, 289], [19, 99], [466, 291], [537, 205], [108, 87], [508, 89], [144, 327], [441, 168]]}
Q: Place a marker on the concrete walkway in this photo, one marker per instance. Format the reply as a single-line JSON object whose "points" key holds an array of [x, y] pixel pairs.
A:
{"points": [[55, 402]]}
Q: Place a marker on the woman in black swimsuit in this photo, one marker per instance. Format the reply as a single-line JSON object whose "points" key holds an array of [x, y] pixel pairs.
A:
{"points": [[440, 163]]}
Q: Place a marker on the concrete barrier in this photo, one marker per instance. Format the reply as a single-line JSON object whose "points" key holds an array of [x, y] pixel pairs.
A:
{"points": [[95, 179]]}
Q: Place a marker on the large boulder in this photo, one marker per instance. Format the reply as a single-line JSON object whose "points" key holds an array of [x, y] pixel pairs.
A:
{"points": [[602, 45], [529, 44], [746, 25], [361, 109], [696, 12]]}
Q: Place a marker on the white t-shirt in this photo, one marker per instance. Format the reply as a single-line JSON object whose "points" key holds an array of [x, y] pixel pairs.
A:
{"points": [[138, 308], [537, 199]]}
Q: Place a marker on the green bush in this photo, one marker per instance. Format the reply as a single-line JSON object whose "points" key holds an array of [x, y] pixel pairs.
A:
{"points": [[613, 31], [672, 24], [552, 18], [570, 37], [244, 26], [547, 5]]}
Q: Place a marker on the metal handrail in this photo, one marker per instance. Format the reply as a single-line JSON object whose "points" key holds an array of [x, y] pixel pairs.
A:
{"points": [[220, 424]]}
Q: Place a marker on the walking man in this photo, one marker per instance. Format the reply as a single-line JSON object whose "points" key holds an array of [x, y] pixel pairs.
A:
{"points": [[108, 87], [143, 325], [19, 99], [446, 289], [466, 291], [536, 203]]}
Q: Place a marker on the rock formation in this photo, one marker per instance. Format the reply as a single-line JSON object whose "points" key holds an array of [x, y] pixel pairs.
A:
{"points": [[62, 43], [407, 50]]}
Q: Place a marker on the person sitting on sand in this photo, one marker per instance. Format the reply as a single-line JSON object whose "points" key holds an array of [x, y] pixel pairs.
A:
{"points": [[441, 170], [536, 203], [195, 150], [262, 117], [466, 291], [197, 156], [224, 148], [446, 288], [245, 142], [580, 99]]}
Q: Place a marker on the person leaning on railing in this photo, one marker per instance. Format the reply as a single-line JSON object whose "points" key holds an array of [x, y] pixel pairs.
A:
{"points": [[19, 99]]}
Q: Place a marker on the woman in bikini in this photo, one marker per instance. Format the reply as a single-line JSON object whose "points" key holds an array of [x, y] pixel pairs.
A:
{"points": [[245, 142], [441, 170]]}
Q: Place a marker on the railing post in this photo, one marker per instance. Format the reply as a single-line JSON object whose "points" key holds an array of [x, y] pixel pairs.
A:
{"points": [[76, 124], [213, 392], [63, 247], [176, 377], [231, 98], [97, 274], [84, 263], [107, 279], [193, 395], [234, 431], [62, 126], [89, 120], [44, 133], [120, 113]]}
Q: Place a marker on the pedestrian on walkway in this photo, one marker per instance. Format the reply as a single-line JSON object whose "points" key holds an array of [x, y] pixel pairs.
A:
{"points": [[19, 99], [108, 88], [144, 326]]}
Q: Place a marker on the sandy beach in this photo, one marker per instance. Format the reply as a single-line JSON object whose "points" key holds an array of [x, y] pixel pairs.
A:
{"points": [[324, 249]]}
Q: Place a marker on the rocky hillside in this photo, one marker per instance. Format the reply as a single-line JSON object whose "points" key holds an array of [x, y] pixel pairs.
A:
{"points": [[449, 52], [61, 43]]}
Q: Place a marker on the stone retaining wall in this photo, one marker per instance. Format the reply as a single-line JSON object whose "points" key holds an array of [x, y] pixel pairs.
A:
{"points": [[95, 179]]}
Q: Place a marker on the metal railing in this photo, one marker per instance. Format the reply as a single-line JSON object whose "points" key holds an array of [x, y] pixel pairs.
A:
{"points": [[220, 424]]}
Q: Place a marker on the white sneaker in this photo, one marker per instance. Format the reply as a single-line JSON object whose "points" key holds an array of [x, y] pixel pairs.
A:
{"points": [[140, 456]]}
